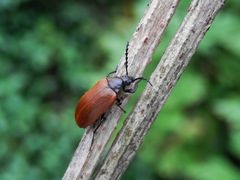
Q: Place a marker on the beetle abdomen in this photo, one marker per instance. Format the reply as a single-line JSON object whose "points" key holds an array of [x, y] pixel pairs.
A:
{"points": [[94, 103]]}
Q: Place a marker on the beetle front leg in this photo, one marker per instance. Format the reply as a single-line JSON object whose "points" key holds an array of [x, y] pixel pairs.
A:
{"points": [[133, 90], [130, 90], [112, 72]]}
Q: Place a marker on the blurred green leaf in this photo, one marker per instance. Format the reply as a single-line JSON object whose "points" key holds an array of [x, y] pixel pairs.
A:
{"points": [[214, 168], [191, 88], [228, 109], [235, 143]]}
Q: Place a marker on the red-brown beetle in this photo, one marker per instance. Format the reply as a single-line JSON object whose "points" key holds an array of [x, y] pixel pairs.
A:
{"points": [[97, 100]]}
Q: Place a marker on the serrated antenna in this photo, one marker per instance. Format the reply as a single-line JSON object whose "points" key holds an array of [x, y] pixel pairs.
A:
{"points": [[126, 58]]}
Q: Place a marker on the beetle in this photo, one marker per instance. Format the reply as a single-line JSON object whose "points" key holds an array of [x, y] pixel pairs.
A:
{"points": [[98, 100]]}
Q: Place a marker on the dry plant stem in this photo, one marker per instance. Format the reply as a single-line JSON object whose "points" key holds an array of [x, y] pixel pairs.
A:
{"points": [[142, 45], [196, 23]]}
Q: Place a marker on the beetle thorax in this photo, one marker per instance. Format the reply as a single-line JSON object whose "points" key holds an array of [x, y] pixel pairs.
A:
{"points": [[115, 83], [119, 83]]}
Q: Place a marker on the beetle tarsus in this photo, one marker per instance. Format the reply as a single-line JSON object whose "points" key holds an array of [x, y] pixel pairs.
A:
{"points": [[121, 109]]}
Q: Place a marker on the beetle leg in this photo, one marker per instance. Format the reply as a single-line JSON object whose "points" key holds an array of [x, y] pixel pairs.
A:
{"points": [[119, 102], [133, 90], [126, 62], [121, 109], [99, 122], [112, 72], [142, 78]]}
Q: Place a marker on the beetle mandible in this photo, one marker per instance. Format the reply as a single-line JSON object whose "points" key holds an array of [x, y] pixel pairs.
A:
{"points": [[98, 100]]}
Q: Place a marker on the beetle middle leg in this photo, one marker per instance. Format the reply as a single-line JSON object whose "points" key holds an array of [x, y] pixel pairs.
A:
{"points": [[119, 103]]}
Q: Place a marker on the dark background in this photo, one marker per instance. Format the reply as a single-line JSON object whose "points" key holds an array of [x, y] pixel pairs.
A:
{"points": [[52, 51]]}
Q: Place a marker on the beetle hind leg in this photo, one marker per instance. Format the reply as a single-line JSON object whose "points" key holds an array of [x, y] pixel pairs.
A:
{"points": [[99, 122]]}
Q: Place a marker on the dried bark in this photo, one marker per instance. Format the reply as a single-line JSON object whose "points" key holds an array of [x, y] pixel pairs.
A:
{"points": [[174, 61], [142, 45]]}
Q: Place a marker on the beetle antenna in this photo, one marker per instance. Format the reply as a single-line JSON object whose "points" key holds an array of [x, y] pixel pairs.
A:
{"points": [[126, 58], [142, 78]]}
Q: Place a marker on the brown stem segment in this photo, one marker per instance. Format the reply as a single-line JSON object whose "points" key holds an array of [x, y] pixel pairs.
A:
{"points": [[198, 20], [141, 47]]}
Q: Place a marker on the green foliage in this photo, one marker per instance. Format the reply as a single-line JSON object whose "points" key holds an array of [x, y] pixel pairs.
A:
{"points": [[51, 52], [49, 55]]}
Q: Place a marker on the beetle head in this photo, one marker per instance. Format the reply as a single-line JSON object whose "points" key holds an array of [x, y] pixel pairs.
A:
{"points": [[127, 80]]}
